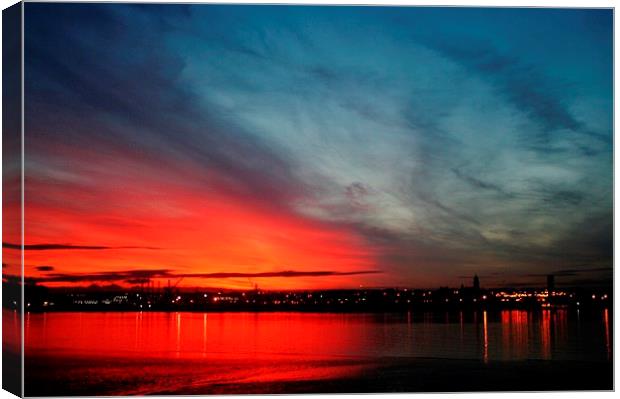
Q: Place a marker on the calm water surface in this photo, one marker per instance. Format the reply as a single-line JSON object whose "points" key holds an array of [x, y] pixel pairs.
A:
{"points": [[130, 353]]}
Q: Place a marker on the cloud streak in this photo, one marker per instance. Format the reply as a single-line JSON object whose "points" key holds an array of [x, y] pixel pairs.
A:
{"points": [[57, 247], [421, 143], [144, 276]]}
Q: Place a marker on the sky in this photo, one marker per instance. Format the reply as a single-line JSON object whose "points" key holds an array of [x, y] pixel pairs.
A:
{"points": [[300, 147]]}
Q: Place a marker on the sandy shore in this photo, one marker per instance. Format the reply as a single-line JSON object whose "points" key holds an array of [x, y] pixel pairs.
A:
{"points": [[434, 375], [144, 377]]}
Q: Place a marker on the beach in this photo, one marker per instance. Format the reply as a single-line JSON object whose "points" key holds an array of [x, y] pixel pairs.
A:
{"points": [[205, 377]]}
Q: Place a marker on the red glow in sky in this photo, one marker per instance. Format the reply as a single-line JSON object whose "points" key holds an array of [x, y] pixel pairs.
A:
{"points": [[149, 218], [236, 142]]}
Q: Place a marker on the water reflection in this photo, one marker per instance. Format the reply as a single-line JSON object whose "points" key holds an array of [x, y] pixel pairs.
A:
{"points": [[462, 329], [485, 353], [545, 334], [515, 332], [178, 330], [151, 351], [487, 336], [607, 339], [11, 330], [204, 335]]}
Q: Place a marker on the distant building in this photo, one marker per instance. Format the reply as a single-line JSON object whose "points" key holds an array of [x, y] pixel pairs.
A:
{"points": [[476, 282], [550, 282]]}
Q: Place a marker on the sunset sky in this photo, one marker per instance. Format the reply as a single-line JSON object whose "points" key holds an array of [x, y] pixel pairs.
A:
{"points": [[317, 147]]}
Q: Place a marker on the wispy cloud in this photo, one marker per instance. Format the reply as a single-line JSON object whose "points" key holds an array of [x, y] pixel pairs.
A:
{"points": [[440, 142], [477, 183], [521, 84]]}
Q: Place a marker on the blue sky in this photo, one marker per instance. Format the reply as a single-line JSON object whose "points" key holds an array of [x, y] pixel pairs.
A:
{"points": [[447, 142]]}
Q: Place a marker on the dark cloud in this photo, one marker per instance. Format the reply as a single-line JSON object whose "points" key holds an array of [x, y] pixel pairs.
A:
{"points": [[564, 197], [573, 272], [144, 276], [128, 275], [522, 85], [589, 242], [85, 75], [356, 193], [137, 281], [590, 282], [286, 273], [454, 213], [586, 270], [45, 268], [477, 183], [52, 247]]}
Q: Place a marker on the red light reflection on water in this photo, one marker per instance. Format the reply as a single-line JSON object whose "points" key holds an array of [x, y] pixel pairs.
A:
{"points": [[194, 334], [545, 334], [607, 340], [207, 349], [11, 331], [485, 354], [515, 333], [148, 353]]}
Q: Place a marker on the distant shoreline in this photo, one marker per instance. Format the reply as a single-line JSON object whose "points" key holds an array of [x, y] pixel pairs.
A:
{"points": [[308, 310], [38, 298], [402, 311]]}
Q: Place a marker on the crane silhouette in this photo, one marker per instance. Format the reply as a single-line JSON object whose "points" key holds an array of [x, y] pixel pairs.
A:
{"points": [[169, 291]]}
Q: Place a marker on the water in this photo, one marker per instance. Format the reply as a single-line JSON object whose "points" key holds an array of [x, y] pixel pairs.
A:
{"points": [[142, 353]]}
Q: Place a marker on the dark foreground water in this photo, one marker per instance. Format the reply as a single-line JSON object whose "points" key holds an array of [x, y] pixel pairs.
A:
{"points": [[208, 353]]}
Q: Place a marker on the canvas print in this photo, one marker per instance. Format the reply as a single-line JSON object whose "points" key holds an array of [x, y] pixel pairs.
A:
{"points": [[242, 199]]}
